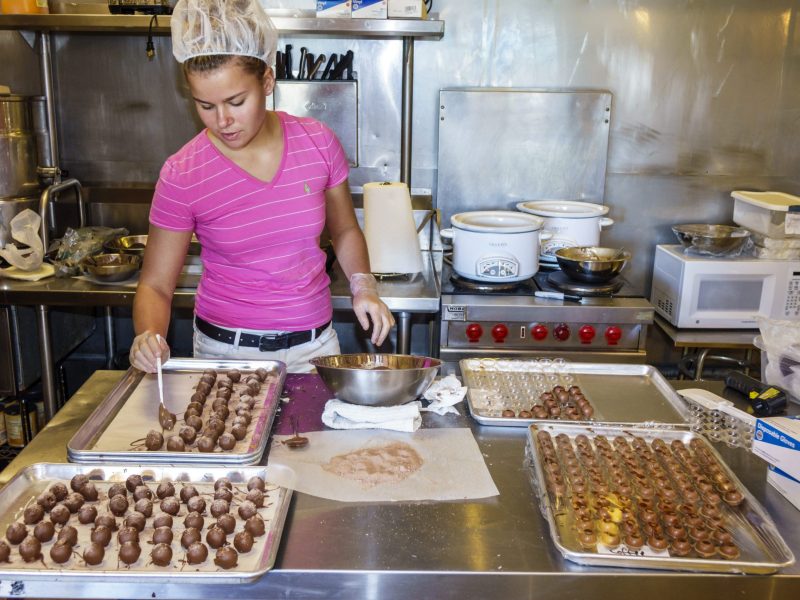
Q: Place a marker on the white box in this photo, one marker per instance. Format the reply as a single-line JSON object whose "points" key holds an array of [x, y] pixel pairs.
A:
{"points": [[370, 9], [777, 441], [337, 9], [772, 214], [407, 9], [785, 484]]}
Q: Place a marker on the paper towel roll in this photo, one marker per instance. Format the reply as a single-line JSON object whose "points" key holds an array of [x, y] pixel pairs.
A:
{"points": [[390, 229]]}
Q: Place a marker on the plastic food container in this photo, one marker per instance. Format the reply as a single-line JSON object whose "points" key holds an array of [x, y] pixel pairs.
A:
{"points": [[782, 374], [767, 213]]}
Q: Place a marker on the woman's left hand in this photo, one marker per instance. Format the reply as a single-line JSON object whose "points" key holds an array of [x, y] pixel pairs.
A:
{"points": [[368, 306]]}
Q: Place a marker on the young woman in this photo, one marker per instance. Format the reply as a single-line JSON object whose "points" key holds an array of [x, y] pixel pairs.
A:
{"points": [[256, 187]]}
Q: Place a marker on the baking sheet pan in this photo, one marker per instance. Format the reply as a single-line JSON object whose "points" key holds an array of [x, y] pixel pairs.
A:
{"points": [[620, 393], [131, 409], [23, 489], [763, 550]]}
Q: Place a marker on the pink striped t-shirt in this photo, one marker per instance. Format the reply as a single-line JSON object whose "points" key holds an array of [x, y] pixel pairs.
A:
{"points": [[262, 264]]}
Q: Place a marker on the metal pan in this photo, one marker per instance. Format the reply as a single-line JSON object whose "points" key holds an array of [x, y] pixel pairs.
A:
{"points": [[91, 443], [620, 393], [31, 481], [763, 550]]}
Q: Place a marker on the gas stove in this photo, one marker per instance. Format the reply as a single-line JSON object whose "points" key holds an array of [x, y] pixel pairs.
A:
{"points": [[477, 319]]}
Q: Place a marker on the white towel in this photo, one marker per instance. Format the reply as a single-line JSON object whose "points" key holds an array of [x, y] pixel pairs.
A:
{"points": [[443, 394], [343, 415]]}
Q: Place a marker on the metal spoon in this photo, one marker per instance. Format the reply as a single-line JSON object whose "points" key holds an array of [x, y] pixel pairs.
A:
{"points": [[165, 418], [296, 441]]}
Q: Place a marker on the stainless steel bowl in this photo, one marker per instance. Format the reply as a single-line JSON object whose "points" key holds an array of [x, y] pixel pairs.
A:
{"points": [[592, 264], [136, 244], [376, 379], [712, 239], [111, 267]]}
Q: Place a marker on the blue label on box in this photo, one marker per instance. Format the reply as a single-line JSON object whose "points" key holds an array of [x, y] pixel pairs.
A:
{"points": [[358, 4], [770, 435], [783, 473]]}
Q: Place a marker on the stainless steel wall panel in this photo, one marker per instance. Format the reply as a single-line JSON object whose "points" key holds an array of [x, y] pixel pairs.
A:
{"points": [[19, 68]]}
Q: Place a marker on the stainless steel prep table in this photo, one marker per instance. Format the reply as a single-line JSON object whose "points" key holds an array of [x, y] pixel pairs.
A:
{"points": [[497, 548], [418, 295]]}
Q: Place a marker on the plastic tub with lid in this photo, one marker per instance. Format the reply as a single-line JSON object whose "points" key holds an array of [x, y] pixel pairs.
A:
{"points": [[772, 214]]}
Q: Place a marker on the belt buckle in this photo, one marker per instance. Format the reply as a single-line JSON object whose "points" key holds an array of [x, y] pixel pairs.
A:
{"points": [[272, 342]]}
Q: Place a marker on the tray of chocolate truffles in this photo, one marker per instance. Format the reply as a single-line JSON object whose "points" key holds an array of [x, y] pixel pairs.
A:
{"points": [[218, 413], [516, 393], [640, 497], [136, 522]]}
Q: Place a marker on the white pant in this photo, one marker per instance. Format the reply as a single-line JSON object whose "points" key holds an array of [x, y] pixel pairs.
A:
{"points": [[296, 357]]}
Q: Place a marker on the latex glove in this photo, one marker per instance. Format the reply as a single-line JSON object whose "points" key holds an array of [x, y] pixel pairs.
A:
{"points": [[369, 307], [144, 350]]}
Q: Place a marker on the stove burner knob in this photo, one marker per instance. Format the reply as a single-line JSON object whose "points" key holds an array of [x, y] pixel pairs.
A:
{"points": [[586, 334], [539, 332], [613, 335], [499, 333], [561, 332], [474, 332]]}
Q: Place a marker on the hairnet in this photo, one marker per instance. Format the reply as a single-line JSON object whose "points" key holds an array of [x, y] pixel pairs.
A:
{"points": [[240, 27]]}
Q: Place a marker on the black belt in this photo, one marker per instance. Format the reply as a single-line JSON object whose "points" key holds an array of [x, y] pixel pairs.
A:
{"points": [[265, 343]]}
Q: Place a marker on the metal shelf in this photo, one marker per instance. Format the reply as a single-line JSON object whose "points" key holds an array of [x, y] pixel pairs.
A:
{"points": [[367, 28]]}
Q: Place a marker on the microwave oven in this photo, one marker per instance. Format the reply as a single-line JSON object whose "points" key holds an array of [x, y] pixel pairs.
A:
{"points": [[695, 291]]}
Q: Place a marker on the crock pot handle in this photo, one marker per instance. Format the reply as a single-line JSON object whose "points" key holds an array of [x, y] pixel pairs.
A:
{"points": [[545, 235], [605, 222], [447, 233], [521, 206]]}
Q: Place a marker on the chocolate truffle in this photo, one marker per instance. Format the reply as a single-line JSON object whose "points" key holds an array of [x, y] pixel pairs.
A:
{"points": [[89, 492], [59, 490], [189, 537], [176, 444], [5, 552], [221, 413], [154, 440], [128, 533], [162, 535], [247, 509], [142, 491], [60, 552], [101, 535], [188, 434], [261, 373], [68, 535], [203, 387], [256, 497], [197, 407], [44, 531], [219, 507], [144, 506], [216, 537], [226, 557], [77, 482], [170, 505], [244, 418], [196, 553], [162, 520], [93, 554], [161, 555], [117, 489], [223, 493], [106, 521], [74, 501], [118, 505], [193, 520], [227, 523], [165, 489], [210, 433], [227, 441], [234, 375], [87, 514], [188, 491], [33, 514], [47, 500], [225, 383], [217, 425], [243, 541], [16, 532], [129, 552], [239, 432], [133, 481], [136, 520], [196, 504], [30, 549], [206, 444], [195, 423], [255, 525]]}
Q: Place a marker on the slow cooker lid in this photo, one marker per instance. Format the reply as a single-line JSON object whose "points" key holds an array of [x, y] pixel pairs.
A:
{"points": [[496, 221], [563, 208]]}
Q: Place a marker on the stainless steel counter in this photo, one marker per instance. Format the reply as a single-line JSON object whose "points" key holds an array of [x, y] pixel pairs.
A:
{"points": [[420, 294], [495, 548]]}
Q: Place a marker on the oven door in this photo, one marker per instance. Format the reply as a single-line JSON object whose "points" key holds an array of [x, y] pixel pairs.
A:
{"points": [[726, 300]]}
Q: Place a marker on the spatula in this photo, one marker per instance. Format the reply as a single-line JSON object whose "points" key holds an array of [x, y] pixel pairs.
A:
{"points": [[165, 418]]}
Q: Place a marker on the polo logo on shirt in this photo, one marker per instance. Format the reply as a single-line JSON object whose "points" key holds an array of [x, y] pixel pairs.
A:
{"points": [[306, 188]]}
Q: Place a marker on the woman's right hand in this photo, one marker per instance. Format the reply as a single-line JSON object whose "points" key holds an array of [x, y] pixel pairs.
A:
{"points": [[145, 349]]}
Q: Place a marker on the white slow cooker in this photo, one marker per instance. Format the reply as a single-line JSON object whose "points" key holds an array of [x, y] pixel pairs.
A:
{"points": [[571, 223], [495, 245]]}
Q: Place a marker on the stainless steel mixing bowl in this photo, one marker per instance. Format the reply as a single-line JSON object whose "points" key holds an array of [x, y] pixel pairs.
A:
{"points": [[135, 244], [712, 239], [592, 264], [111, 267], [376, 379]]}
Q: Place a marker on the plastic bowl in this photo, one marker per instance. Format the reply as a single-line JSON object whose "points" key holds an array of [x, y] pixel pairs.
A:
{"points": [[111, 267], [712, 239], [376, 379], [592, 264]]}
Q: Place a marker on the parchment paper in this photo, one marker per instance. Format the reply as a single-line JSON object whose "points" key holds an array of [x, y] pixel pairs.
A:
{"points": [[453, 467]]}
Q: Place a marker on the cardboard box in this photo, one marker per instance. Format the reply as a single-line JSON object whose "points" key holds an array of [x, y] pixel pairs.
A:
{"points": [[337, 9], [785, 484], [407, 9], [370, 9], [777, 441]]}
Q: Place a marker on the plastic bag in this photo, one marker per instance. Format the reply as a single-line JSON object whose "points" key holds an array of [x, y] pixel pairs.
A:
{"points": [[77, 244], [781, 341], [25, 230]]}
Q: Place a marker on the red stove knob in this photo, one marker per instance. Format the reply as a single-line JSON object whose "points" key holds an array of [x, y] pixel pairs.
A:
{"points": [[613, 335], [474, 332], [499, 333], [586, 334], [561, 332], [539, 332]]}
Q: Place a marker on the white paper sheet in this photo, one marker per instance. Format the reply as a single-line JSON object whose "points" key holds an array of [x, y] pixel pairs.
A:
{"points": [[453, 467]]}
